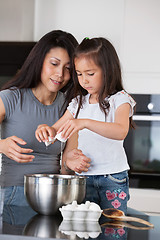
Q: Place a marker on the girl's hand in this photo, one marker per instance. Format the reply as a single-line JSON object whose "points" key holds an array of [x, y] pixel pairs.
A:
{"points": [[43, 132], [77, 161], [71, 126], [10, 148]]}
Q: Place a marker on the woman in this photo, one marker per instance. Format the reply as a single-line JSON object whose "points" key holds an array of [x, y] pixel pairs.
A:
{"points": [[31, 98]]}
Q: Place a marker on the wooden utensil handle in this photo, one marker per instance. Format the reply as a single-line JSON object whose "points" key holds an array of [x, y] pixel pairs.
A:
{"points": [[135, 219], [123, 224]]}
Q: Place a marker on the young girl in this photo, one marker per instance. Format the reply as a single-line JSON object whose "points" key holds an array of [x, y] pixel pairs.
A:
{"points": [[101, 112]]}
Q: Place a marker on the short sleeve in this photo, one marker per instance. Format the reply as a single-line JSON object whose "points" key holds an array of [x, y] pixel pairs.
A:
{"points": [[10, 99], [123, 97], [73, 107]]}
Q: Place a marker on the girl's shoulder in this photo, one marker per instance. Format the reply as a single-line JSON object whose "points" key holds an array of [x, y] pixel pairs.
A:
{"points": [[73, 105], [122, 96], [76, 100]]}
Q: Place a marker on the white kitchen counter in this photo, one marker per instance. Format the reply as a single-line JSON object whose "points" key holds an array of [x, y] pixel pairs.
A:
{"points": [[145, 200]]}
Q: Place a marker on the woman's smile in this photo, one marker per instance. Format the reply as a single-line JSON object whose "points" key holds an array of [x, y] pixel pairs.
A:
{"points": [[56, 82]]}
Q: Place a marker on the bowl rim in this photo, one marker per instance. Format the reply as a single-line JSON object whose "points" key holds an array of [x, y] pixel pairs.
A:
{"points": [[52, 176]]}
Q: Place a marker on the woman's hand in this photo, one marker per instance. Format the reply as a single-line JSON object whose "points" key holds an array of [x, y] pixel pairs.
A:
{"points": [[10, 148], [43, 132], [74, 158], [77, 161], [72, 126]]}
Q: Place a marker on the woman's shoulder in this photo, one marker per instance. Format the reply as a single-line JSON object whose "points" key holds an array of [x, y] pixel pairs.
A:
{"points": [[10, 97], [61, 95], [10, 93]]}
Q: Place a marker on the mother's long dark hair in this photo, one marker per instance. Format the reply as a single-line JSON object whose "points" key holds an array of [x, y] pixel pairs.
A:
{"points": [[29, 76]]}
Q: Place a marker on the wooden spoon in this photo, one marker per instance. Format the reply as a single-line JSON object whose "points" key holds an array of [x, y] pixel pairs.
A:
{"points": [[117, 214], [118, 224]]}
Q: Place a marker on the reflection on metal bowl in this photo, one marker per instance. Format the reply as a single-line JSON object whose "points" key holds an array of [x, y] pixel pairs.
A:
{"points": [[43, 226], [53, 227], [47, 192]]}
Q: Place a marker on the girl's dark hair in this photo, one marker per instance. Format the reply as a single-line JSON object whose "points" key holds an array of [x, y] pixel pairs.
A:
{"points": [[29, 76], [104, 55]]}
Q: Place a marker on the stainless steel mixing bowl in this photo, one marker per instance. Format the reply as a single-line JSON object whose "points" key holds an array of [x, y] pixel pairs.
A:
{"points": [[45, 193]]}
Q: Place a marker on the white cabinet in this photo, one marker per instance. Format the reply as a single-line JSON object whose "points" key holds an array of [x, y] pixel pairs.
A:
{"points": [[131, 25], [17, 20], [145, 200], [141, 56]]}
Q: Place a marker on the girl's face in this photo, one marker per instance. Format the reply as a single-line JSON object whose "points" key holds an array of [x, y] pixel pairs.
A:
{"points": [[89, 76], [56, 69]]}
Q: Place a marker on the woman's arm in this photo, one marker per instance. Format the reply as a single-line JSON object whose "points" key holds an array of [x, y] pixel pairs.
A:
{"points": [[9, 146], [114, 130], [2, 111], [73, 158]]}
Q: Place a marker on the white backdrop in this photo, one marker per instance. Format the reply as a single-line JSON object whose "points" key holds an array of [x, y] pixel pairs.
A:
{"points": [[131, 25]]}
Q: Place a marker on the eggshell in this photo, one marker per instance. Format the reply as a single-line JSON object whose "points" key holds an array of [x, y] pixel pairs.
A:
{"points": [[60, 138]]}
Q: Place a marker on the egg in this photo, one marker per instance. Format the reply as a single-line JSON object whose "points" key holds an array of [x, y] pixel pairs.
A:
{"points": [[88, 211]]}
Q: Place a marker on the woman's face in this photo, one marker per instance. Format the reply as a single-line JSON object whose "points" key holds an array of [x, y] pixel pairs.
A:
{"points": [[56, 69]]}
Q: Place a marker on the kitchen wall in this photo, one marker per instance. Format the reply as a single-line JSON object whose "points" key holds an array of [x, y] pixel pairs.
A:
{"points": [[17, 20], [132, 26]]}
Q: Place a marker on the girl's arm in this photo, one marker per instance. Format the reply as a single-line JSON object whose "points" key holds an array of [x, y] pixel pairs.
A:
{"points": [[114, 130], [73, 159], [66, 116], [44, 131]]}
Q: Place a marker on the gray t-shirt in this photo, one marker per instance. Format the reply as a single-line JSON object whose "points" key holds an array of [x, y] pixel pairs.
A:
{"points": [[23, 114]]}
